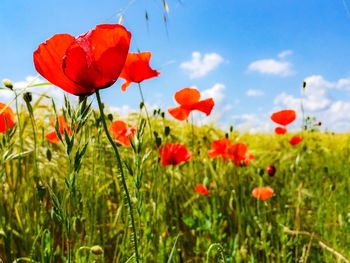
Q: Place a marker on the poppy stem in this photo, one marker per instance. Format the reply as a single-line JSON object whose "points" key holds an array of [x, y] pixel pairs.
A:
{"points": [[123, 181], [144, 105]]}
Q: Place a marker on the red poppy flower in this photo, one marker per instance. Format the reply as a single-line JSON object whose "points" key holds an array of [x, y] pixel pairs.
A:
{"points": [[248, 158], [81, 65], [7, 118], [188, 98], [237, 153], [121, 132], [219, 148], [137, 69], [280, 130], [201, 189], [295, 140], [174, 154], [62, 124], [283, 117], [262, 193]]}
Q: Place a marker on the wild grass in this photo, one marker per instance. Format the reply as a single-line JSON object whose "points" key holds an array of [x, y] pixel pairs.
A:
{"points": [[63, 202]]}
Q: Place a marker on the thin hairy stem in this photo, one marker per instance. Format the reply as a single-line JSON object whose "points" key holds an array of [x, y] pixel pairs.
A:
{"points": [[123, 181]]}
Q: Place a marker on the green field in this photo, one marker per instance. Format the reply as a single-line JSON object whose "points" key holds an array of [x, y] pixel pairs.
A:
{"points": [[64, 201]]}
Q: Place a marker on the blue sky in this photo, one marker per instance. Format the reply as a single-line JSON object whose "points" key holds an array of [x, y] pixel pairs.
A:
{"points": [[250, 55]]}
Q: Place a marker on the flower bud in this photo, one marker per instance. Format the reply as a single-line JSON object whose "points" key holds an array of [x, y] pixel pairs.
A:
{"points": [[96, 250], [271, 170], [7, 83]]}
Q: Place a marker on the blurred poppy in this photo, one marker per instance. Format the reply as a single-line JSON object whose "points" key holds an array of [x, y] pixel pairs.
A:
{"points": [[219, 148], [121, 132], [7, 118], [174, 154], [201, 189], [62, 126], [271, 170], [295, 140], [237, 153], [188, 98], [280, 130], [283, 117], [137, 69], [81, 65], [248, 158], [262, 193]]}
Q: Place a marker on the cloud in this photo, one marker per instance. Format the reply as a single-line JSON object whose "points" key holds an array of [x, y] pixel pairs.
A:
{"points": [[252, 123], [200, 65], [271, 66], [254, 93], [318, 102], [285, 53], [216, 92], [49, 91]]}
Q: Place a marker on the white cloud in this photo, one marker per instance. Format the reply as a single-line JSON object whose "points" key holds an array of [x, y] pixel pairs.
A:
{"points": [[285, 53], [318, 102], [216, 92], [270, 66], [49, 91], [252, 123], [200, 65], [254, 93]]}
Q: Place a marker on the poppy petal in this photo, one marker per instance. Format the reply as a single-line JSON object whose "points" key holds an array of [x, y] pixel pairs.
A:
{"points": [[283, 117], [52, 137], [187, 96], [295, 140], [7, 118], [204, 106], [125, 85], [280, 130], [48, 62], [179, 113], [262, 193], [109, 45], [137, 68]]}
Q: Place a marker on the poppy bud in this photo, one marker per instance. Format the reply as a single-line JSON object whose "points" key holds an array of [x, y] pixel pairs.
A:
{"points": [[166, 130], [163, 114], [271, 170], [110, 117], [96, 250], [27, 97], [7, 83]]}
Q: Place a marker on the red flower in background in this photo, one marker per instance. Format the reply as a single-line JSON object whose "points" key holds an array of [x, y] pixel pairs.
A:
{"points": [[121, 132], [174, 154], [295, 140], [62, 126], [81, 65], [283, 117], [201, 189], [219, 148], [262, 193], [7, 118], [280, 130], [188, 98], [237, 153], [137, 69]]}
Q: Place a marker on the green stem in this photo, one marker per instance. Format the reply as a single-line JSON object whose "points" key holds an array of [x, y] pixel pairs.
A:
{"points": [[123, 181], [144, 105]]}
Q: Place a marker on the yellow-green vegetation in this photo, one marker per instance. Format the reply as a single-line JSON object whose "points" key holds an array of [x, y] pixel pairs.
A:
{"points": [[64, 202]]}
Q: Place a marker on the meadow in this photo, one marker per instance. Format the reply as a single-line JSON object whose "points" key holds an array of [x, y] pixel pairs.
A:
{"points": [[84, 184]]}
